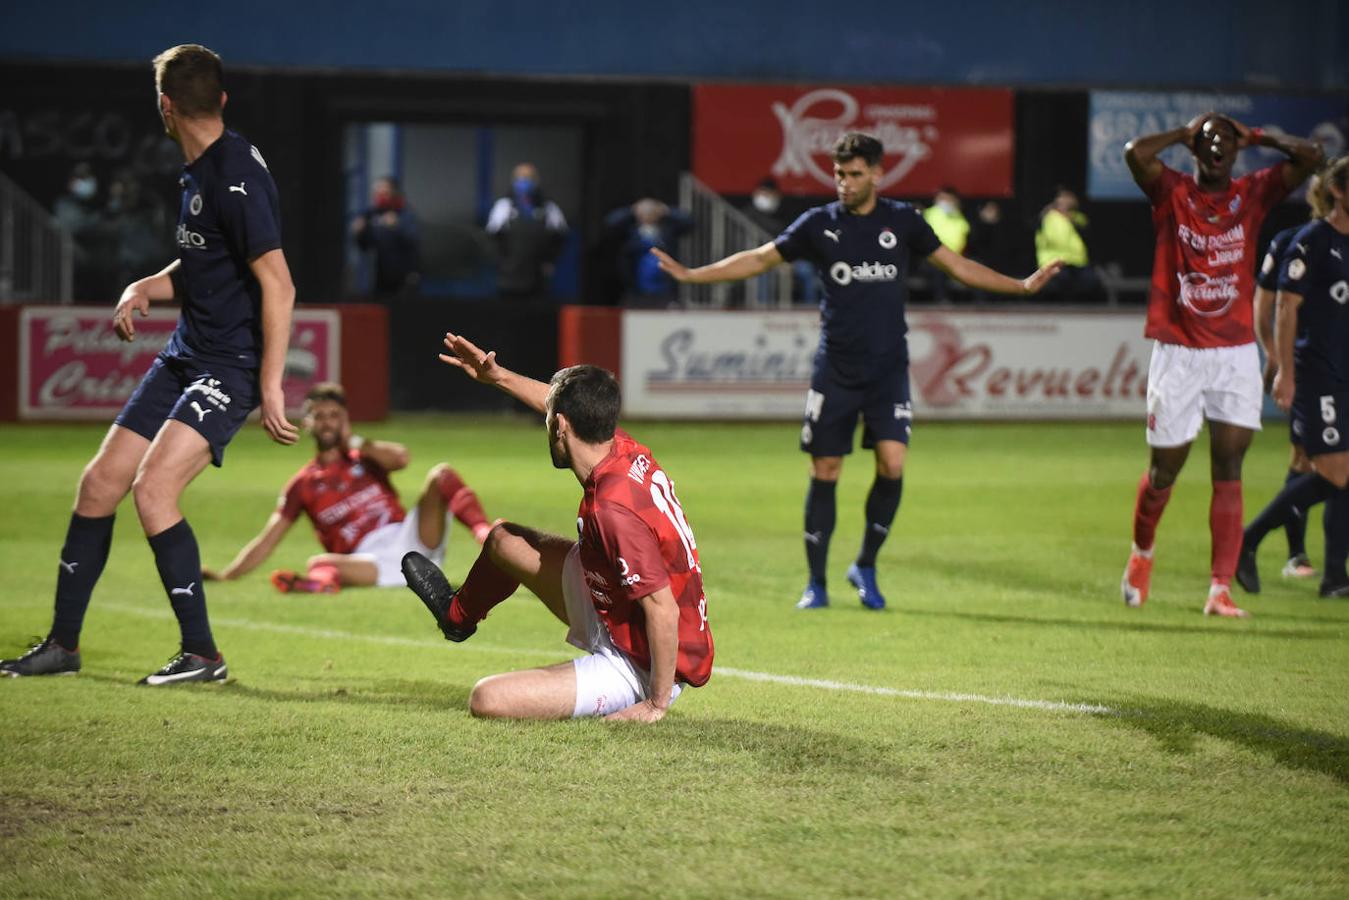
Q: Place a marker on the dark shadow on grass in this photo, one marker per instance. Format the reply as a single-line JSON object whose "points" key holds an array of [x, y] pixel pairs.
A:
{"points": [[435, 696], [1176, 724], [1207, 629]]}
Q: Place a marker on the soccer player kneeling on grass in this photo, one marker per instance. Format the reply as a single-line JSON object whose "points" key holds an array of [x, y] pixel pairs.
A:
{"points": [[630, 590], [356, 512]]}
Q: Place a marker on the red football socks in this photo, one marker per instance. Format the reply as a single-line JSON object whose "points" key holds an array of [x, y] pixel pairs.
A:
{"points": [[463, 503], [1224, 522], [484, 588], [1148, 509]]}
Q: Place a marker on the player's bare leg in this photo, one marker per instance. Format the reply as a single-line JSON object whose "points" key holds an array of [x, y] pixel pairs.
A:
{"points": [[881, 505], [544, 693], [177, 455], [1227, 449], [108, 476], [1154, 490], [327, 573], [445, 493]]}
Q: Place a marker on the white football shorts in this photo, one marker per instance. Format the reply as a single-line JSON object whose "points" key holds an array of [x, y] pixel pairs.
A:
{"points": [[606, 680], [387, 545], [1187, 385]]}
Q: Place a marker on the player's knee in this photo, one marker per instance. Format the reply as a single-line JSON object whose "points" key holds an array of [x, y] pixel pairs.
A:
{"points": [[99, 486], [148, 492], [497, 539], [442, 473], [487, 700]]}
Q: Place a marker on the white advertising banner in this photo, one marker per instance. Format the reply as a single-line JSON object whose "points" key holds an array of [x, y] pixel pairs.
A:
{"points": [[963, 365]]}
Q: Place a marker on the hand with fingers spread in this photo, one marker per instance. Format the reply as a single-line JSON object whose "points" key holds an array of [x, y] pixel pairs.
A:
{"points": [[669, 265], [1041, 277], [465, 355]]}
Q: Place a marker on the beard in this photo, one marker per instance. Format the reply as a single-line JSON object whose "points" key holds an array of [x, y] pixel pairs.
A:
{"points": [[327, 439]]}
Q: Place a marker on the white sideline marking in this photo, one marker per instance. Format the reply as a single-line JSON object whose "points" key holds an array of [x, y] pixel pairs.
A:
{"points": [[748, 675]]}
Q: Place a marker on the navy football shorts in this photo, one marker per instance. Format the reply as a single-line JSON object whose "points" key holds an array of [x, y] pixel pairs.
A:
{"points": [[1319, 422], [832, 410], [213, 401]]}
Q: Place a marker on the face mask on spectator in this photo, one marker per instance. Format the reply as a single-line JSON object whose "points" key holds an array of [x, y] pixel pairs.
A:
{"points": [[84, 188], [524, 187], [765, 203], [947, 207]]}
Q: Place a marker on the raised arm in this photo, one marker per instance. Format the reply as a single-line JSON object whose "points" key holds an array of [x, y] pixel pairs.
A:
{"points": [[278, 300], [1304, 156], [661, 611], [483, 368], [981, 277], [255, 551], [736, 267], [388, 455], [1141, 153], [138, 295]]}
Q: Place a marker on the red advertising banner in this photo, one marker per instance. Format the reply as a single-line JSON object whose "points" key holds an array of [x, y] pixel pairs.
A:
{"points": [[960, 137], [73, 366]]}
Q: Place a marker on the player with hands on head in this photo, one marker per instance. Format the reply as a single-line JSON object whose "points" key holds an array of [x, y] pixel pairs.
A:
{"points": [[225, 358], [629, 590], [863, 246], [1205, 365], [357, 515]]}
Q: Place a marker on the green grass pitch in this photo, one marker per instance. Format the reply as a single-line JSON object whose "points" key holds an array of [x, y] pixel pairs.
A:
{"points": [[1210, 758]]}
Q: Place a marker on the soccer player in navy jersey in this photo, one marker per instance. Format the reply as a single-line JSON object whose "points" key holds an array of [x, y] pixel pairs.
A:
{"points": [[1295, 523], [224, 360], [1312, 382], [863, 247]]}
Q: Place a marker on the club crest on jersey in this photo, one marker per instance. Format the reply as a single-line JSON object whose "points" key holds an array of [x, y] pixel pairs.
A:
{"points": [[887, 239], [194, 205], [1234, 205], [1296, 269]]}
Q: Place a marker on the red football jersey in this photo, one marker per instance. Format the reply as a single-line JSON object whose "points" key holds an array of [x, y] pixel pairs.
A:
{"points": [[346, 500], [635, 541], [1203, 270]]}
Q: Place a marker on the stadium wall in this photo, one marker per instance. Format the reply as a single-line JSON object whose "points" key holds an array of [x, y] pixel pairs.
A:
{"points": [[1035, 42]]}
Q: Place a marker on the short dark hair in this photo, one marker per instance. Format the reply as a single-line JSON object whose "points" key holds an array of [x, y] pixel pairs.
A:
{"points": [[193, 78], [589, 397], [325, 390], [854, 144]]}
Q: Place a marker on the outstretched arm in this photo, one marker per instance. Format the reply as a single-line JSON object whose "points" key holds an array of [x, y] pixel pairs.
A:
{"points": [[254, 552], [483, 368], [736, 267], [981, 277]]}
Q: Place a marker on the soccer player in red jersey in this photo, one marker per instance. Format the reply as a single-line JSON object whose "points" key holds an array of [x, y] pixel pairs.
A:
{"points": [[359, 520], [1204, 363], [630, 590]]}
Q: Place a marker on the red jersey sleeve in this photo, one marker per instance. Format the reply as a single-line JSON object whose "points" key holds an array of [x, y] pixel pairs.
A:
{"points": [[1160, 188], [634, 550], [291, 502]]}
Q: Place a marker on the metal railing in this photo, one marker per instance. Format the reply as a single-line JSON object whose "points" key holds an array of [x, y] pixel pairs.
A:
{"points": [[36, 254], [720, 230]]}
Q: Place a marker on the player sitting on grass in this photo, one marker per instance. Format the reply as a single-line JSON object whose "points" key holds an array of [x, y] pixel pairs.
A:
{"points": [[359, 520], [630, 589]]}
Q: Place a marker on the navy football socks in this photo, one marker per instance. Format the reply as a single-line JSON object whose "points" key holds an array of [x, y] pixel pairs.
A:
{"points": [[1296, 527], [1299, 494], [82, 559], [882, 504], [1337, 537], [821, 513], [179, 563]]}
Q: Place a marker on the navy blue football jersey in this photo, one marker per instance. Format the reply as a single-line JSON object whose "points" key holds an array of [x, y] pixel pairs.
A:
{"points": [[1268, 276], [229, 216], [863, 262], [1316, 267]]}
